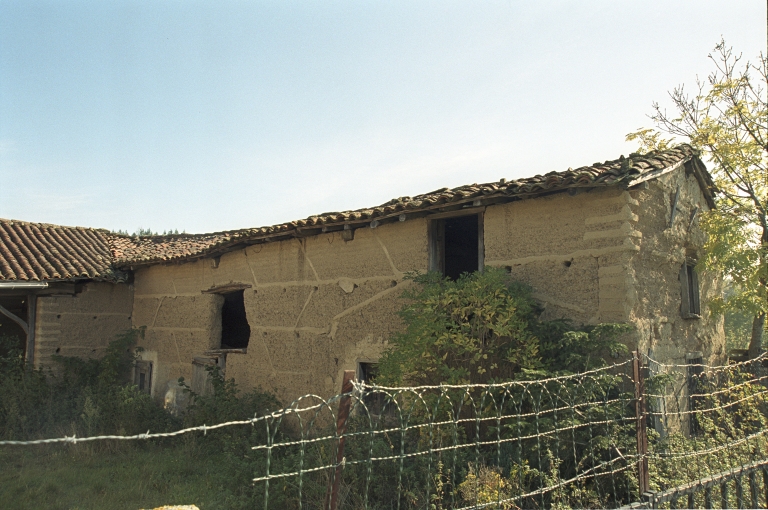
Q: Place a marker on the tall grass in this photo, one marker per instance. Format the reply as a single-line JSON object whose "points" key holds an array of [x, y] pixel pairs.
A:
{"points": [[95, 397]]}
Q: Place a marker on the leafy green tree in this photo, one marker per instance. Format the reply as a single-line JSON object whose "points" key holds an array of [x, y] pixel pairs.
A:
{"points": [[726, 118]]}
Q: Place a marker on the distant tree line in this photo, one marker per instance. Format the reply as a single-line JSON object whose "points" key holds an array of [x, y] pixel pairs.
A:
{"points": [[141, 232]]}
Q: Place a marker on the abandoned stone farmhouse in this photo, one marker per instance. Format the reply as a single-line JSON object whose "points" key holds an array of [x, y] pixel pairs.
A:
{"points": [[289, 307]]}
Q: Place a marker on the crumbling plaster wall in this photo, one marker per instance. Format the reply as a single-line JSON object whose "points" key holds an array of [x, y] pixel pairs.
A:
{"points": [[571, 249], [316, 306], [654, 271], [81, 324], [608, 256]]}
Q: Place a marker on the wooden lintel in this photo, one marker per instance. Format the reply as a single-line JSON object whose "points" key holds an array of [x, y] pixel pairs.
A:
{"points": [[226, 288], [466, 211], [209, 362]]}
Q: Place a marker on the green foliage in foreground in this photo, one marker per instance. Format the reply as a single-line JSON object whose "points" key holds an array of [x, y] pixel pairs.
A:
{"points": [[80, 397], [95, 397], [727, 431], [484, 328], [122, 476]]}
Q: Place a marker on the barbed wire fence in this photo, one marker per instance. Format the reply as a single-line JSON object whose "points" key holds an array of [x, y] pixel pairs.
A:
{"points": [[522, 443], [639, 433], [709, 435]]}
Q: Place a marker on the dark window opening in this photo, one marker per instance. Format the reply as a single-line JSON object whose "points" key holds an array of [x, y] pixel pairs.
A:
{"points": [[689, 283], [457, 245], [375, 401], [235, 331], [368, 372], [693, 289]]}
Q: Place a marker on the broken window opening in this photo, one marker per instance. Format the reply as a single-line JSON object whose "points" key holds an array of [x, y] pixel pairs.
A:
{"points": [[235, 330], [457, 245]]}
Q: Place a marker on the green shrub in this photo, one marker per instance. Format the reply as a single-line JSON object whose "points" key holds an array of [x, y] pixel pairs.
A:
{"points": [[27, 406], [82, 397], [485, 327]]}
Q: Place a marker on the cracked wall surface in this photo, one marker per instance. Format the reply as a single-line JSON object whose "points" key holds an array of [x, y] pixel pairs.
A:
{"points": [[316, 306], [558, 244], [661, 330], [611, 256]]}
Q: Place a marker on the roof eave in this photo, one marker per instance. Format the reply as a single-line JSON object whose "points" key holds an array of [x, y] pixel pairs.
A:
{"points": [[373, 221], [692, 164]]}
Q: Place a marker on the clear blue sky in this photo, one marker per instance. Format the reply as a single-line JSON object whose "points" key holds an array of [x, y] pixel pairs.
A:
{"points": [[208, 116]]}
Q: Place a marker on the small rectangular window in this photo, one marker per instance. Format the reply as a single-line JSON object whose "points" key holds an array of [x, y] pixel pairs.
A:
{"points": [[689, 287], [456, 245], [143, 376]]}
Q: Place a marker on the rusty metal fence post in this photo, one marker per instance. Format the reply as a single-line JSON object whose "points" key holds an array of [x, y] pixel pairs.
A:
{"points": [[332, 496], [643, 475]]}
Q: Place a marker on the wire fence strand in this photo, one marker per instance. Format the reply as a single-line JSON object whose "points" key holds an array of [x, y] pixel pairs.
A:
{"points": [[569, 440]]}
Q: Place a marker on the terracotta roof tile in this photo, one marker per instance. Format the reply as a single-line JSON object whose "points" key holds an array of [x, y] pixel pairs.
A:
{"points": [[155, 249], [39, 252], [36, 251]]}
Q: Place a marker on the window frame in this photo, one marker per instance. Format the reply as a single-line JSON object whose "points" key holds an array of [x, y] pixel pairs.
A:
{"points": [[143, 367], [690, 305]]}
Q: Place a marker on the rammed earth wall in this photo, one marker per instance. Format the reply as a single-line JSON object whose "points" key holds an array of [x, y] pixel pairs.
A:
{"points": [[652, 279], [318, 305], [81, 324], [561, 245], [611, 256]]}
